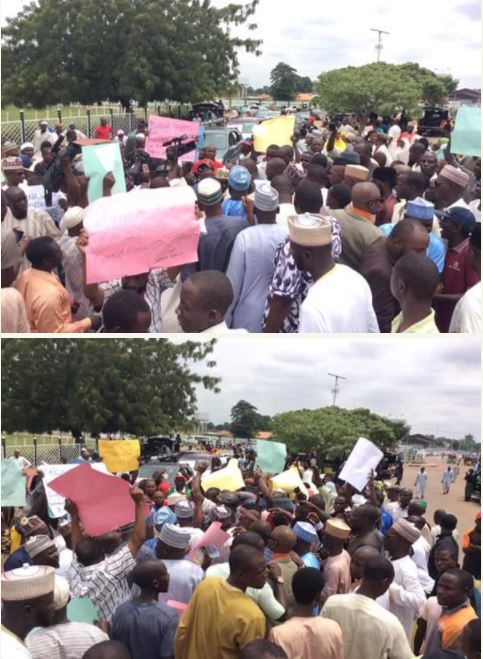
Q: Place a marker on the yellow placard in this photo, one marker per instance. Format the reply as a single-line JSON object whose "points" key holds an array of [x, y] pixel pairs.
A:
{"points": [[229, 478], [277, 131], [288, 480], [120, 454]]}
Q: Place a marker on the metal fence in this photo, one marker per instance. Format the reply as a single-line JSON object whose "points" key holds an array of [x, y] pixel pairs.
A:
{"points": [[23, 129], [38, 453]]}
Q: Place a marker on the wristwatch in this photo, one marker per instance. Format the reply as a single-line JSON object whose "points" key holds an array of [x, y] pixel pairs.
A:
{"points": [[280, 580]]}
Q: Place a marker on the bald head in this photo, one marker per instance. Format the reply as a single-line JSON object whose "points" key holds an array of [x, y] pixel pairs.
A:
{"points": [[365, 193], [107, 650], [275, 167], [282, 184], [283, 539], [417, 521], [359, 559]]}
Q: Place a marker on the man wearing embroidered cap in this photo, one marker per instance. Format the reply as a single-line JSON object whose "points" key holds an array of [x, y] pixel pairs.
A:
{"points": [[337, 563], [172, 547], [251, 263], [239, 184], [406, 595], [457, 223], [215, 245], [42, 550], [27, 602], [340, 299], [13, 170], [63, 637], [9, 148], [450, 186], [307, 538], [190, 519]]}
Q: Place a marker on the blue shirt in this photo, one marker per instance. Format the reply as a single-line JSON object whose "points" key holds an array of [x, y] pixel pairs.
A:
{"points": [[147, 630], [436, 250], [233, 208]]}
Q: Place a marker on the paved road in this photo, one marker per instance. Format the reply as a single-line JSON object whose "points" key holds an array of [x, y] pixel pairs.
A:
{"points": [[453, 502]]}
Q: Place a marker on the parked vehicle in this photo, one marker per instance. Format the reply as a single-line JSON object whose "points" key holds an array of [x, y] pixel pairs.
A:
{"points": [[244, 125], [223, 138], [434, 123], [163, 448], [473, 484], [206, 110]]}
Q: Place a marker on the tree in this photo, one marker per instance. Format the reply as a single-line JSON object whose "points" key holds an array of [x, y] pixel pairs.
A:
{"points": [[283, 80], [118, 385], [381, 87], [181, 50], [334, 431], [244, 420], [304, 84]]}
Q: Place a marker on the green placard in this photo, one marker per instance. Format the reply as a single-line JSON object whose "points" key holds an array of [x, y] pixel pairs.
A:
{"points": [[466, 135], [271, 456], [13, 484], [81, 610], [98, 160]]}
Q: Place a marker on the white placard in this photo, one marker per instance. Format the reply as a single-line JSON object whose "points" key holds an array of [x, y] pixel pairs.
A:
{"points": [[56, 501], [35, 196], [364, 457]]}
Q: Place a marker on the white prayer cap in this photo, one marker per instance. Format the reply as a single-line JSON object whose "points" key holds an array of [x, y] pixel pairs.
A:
{"points": [[61, 592], [184, 510], [140, 136], [266, 197], [309, 230], [37, 544], [26, 145], [174, 536], [73, 216], [27, 583]]}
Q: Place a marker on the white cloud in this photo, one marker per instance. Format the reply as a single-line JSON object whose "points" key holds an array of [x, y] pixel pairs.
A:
{"points": [[433, 384], [315, 37]]}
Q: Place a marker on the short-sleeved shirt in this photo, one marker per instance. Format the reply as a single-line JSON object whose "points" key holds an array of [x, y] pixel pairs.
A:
{"points": [[103, 132], [309, 638], [458, 277], [264, 597], [104, 583], [69, 640], [147, 630]]}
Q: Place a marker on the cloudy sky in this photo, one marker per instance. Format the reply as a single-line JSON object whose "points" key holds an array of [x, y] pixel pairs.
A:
{"points": [[433, 384], [315, 37]]}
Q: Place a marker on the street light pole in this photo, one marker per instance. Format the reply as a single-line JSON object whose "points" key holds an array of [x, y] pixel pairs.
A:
{"points": [[379, 41], [336, 389]]}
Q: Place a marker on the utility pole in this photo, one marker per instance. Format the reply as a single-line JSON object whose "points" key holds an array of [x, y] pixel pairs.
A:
{"points": [[336, 389], [379, 41]]}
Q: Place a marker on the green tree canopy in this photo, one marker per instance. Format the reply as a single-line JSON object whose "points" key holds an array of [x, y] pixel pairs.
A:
{"points": [[146, 50], [386, 88], [244, 420], [284, 81], [334, 431], [117, 385]]}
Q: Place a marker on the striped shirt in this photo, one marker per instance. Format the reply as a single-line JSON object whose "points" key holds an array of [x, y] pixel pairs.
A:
{"points": [[68, 640], [104, 583]]}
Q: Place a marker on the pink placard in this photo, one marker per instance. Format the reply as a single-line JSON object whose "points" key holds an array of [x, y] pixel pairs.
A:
{"points": [[163, 129], [212, 536], [135, 232], [104, 501]]}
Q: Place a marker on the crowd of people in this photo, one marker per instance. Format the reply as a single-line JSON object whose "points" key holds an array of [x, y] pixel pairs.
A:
{"points": [[323, 572], [348, 229]]}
